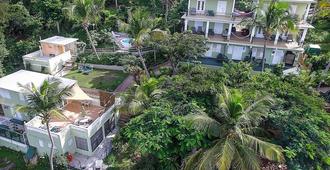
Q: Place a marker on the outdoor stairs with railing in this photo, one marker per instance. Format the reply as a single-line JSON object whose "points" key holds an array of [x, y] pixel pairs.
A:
{"points": [[124, 118]]}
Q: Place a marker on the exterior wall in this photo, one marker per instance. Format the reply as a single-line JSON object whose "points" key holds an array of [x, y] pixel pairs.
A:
{"points": [[36, 136], [212, 5], [13, 145], [64, 141], [15, 99], [48, 49], [36, 65], [56, 63], [301, 9]]}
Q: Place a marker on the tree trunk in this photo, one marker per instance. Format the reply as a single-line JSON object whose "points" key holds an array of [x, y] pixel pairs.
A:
{"points": [[143, 62], [58, 27], [166, 11], [91, 41], [51, 148], [116, 2], [264, 54]]}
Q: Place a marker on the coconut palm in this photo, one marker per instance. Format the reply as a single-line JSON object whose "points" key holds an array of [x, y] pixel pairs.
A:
{"points": [[86, 12], [232, 130], [140, 26], [275, 18], [43, 101], [139, 97]]}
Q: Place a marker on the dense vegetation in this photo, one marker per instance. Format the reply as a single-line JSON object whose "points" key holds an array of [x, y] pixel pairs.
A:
{"points": [[160, 132]]}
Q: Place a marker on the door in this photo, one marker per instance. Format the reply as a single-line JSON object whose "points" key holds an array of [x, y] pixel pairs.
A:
{"points": [[293, 9], [221, 8], [198, 24], [278, 57], [200, 6], [209, 52], [218, 28], [237, 52], [259, 33]]}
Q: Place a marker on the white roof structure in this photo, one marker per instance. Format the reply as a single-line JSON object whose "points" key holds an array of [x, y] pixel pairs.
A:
{"points": [[24, 77], [58, 40]]}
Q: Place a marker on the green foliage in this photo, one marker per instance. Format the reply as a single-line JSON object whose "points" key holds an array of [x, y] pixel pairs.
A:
{"points": [[162, 134], [183, 46], [238, 73], [3, 52], [50, 10], [105, 59], [318, 62], [244, 5]]}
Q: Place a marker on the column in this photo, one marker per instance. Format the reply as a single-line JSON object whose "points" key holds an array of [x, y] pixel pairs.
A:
{"points": [[302, 39], [252, 34], [185, 25], [232, 10], [276, 37], [188, 7], [207, 29], [307, 10], [229, 31]]}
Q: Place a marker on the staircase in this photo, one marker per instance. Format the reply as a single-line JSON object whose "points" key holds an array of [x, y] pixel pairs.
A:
{"points": [[124, 118]]}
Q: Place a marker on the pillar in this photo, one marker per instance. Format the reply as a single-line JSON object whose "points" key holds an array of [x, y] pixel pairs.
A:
{"points": [[232, 10], [207, 29], [185, 25], [229, 31], [188, 7], [307, 10], [303, 36], [276, 37], [252, 34]]}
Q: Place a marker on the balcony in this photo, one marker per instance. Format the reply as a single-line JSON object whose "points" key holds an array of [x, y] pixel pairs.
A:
{"points": [[81, 114]]}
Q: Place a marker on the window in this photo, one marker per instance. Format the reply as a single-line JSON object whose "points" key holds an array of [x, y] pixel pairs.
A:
{"points": [[5, 94], [109, 125], [81, 143], [96, 139], [41, 143], [200, 5]]}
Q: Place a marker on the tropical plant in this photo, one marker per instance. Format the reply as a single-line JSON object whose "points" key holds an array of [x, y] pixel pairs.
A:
{"points": [[141, 96], [233, 129], [132, 66], [274, 19], [139, 26], [183, 46], [85, 12], [43, 101]]}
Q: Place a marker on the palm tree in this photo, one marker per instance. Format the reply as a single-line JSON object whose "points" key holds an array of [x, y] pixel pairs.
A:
{"points": [[232, 131], [140, 97], [86, 12], [43, 101], [272, 20], [139, 26]]}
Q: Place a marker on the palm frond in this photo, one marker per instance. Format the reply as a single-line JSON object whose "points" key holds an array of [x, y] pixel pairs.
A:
{"points": [[204, 123], [245, 158], [226, 156], [264, 149]]}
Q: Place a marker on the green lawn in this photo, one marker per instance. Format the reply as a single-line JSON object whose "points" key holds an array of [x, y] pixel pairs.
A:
{"points": [[12, 156], [98, 79]]}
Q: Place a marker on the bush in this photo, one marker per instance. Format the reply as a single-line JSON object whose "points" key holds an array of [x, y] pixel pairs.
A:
{"points": [[105, 59]]}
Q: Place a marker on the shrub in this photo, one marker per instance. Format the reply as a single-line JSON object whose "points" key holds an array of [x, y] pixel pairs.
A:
{"points": [[105, 59]]}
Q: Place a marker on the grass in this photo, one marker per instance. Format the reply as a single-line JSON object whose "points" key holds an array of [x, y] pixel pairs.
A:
{"points": [[98, 79], [12, 156]]}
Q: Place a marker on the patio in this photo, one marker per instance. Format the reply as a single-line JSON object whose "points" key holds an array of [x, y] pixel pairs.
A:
{"points": [[12, 129]]}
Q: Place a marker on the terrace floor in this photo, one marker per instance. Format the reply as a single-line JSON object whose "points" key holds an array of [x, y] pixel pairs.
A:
{"points": [[256, 42], [107, 80]]}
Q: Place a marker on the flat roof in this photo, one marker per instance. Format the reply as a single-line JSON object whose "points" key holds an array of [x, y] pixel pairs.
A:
{"points": [[59, 40], [24, 77]]}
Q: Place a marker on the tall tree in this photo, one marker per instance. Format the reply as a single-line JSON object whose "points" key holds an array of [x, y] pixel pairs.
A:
{"points": [[43, 101], [86, 12], [232, 129], [3, 52], [275, 18], [182, 46], [140, 24]]}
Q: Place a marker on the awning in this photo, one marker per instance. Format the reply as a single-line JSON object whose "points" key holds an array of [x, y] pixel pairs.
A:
{"points": [[78, 94]]}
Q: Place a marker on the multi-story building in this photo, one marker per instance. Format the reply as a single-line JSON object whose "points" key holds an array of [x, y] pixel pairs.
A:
{"points": [[90, 117], [219, 21], [56, 56]]}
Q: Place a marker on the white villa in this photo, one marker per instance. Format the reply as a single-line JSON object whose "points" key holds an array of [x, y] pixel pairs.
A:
{"points": [[218, 21], [56, 56]]}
